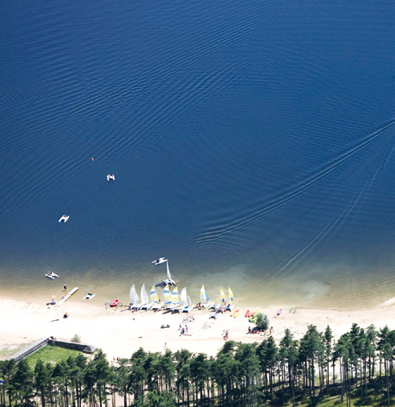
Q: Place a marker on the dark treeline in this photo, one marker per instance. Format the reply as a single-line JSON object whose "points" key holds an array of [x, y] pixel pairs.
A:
{"points": [[265, 373]]}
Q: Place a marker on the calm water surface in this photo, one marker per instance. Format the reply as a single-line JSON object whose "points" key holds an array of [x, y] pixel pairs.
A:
{"points": [[252, 144]]}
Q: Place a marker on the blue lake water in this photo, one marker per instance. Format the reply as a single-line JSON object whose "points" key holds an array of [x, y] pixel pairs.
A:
{"points": [[252, 144]]}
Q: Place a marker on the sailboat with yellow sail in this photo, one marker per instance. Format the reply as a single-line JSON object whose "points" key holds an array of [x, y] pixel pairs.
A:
{"points": [[167, 298], [204, 299], [154, 300], [220, 307], [230, 305], [176, 300]]}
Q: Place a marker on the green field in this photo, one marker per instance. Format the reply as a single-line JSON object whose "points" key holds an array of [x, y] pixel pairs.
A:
{"points": [[51, 354]]}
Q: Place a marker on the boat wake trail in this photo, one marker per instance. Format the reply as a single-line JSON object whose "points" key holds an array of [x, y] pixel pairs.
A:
{"points": [[227, 226]]}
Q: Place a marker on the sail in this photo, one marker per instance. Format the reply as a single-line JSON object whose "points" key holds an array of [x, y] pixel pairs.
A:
{"points": [[175, 296], [134, 298], [168, 272], [153, 296], [184, 297], [144, 295], [167, 295], [203, 295], [222, 294], [230, 296]]}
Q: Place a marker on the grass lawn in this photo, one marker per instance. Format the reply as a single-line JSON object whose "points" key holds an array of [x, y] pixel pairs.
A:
{"points": [[52, 354]]}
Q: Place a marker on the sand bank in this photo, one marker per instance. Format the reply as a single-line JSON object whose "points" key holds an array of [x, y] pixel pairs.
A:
{"points": [[120, 332]]}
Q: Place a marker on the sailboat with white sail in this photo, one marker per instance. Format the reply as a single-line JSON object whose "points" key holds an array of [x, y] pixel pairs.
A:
{"points": [[186, 303], [134, 299], [144, 299]]}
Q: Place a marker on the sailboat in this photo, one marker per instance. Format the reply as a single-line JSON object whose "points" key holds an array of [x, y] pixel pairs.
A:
{"points": [[222, 303], [169, 281], [204, 299], [175, 297], [230, 305], [154, 299], [144, 298], [186, 303], [134, 299], [167, 297]]}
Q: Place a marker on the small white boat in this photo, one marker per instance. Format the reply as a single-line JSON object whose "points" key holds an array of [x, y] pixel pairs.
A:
{"points": [[64, 218], [159, 261], [51, 275], [186, 304], [110, 177], [89, 296]]}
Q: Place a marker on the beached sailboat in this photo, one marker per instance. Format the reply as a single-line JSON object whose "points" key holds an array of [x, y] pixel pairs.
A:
{"points": [[222, 302], [144, 298], [204, 299], [155, 300], [186, 303], [175, 298], [230, 305], [167, 297], [134, 298]]}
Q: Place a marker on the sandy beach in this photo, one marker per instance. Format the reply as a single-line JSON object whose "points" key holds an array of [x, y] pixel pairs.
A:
{"points": [[119, 332]]}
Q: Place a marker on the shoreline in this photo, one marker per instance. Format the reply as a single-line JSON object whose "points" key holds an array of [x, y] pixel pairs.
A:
{"points": [[119, 332]]}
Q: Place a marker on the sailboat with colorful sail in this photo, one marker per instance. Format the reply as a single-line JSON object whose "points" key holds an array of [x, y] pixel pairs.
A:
{"points": [[204, 299], [167, 297], [175, 298], [155, 300], [222, 302], [230, 305]]}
